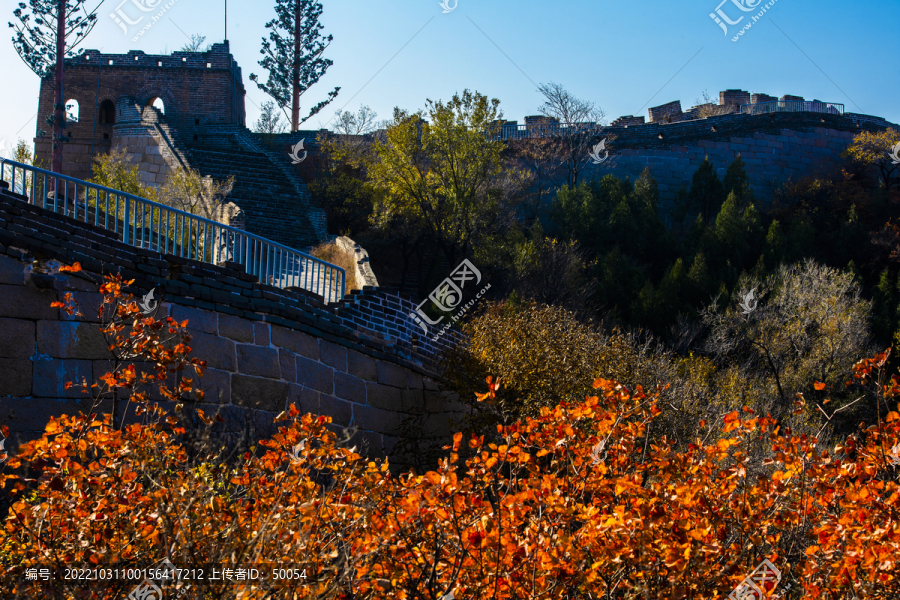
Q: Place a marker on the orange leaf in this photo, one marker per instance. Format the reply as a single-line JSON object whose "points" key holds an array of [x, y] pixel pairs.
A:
{"points": [[76, 267], [819, 386]]}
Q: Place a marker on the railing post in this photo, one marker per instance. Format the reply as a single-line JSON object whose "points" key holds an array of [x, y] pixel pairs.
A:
{"points": [[126, 229]]}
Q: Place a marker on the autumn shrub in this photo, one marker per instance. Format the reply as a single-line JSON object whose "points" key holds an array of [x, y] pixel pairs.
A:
{"points": [[339, 255], [803, 327], [573, 502], [544, 354]]}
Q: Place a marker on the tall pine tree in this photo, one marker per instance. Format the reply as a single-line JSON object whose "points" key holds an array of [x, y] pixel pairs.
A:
{"points": [[48, 33], [293, 56], [707, 193]]}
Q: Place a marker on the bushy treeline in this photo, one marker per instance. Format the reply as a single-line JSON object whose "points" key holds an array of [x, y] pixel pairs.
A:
{"points": [[431, 188], [647, 275]]}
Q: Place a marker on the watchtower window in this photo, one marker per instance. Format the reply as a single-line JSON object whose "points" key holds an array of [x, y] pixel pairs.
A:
{"points": [[72, 111], [157, 103], [107, 112]]}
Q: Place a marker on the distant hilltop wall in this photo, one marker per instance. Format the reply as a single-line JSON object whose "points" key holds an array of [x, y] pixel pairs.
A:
{"points": [[776, 147]]}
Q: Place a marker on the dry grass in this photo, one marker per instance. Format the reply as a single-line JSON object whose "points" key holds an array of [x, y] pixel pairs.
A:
{"points": [[346, 259]]}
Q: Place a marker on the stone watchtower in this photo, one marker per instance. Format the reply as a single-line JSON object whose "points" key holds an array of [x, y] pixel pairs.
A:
{"points": [[185, 109]]}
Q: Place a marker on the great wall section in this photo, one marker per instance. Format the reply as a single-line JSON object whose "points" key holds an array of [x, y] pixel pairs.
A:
{"points": [[362, 360]]}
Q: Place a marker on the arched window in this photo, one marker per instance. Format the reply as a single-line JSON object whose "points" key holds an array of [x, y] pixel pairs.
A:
{"points": [[107, 112], [157, 103], [72, 111]]}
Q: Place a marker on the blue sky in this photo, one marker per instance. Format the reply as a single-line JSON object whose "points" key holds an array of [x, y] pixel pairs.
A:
{"points": [[625, 56]]}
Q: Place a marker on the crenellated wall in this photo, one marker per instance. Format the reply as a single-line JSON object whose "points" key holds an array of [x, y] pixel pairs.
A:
{"points": [[775, 147]]}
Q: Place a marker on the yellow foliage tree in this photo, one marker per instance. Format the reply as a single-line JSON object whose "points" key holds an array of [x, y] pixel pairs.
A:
{"points": [[873, 148]]}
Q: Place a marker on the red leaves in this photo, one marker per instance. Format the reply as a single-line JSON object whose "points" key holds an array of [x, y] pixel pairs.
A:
{"points": [[74, 268], [491, 394]]}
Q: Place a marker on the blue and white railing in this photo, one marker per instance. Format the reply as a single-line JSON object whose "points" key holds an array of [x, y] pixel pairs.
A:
{"points": [[762, 108], [154, 226]]}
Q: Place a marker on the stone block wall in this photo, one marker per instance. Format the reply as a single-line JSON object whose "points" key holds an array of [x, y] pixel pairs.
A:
{"points": [[670, 111], [145, 151], [737, 97], [770, 159], [195, 87], [358, 361], [774, 147]]}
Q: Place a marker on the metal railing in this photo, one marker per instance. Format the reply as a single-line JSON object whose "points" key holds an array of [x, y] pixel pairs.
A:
{"points": [[762, 108], [541, 130], [147, 224]]}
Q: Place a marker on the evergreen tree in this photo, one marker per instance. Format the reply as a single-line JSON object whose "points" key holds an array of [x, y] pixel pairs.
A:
{"points": [[731, 231], [293, 56], [681, 207], [884, 308], [646, 190], [759, 270], [45, 51], [853, 240], [775, 245], [753, 229], [699, 281], [801, 243], [707, 193], [622, 225], [736, 180], [571, 213], [669, 296]]}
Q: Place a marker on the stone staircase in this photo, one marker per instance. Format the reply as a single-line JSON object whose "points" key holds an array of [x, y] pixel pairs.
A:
{"points": [[270, 203], [280, 159]]}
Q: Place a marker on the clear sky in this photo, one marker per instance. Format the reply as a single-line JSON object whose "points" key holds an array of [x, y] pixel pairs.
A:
{"points": [[623, 55]]}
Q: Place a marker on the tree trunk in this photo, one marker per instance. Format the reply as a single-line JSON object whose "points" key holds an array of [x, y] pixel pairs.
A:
{"points": [[295, 72], [59, 110]]}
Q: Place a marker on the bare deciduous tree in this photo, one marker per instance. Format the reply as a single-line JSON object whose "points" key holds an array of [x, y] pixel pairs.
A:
{"points": [[581, 120]]}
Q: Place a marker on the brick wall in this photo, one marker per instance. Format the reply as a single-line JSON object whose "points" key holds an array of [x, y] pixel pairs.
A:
{"points": [[670, 111], [737, 97], [360, 362], [194, 86]]}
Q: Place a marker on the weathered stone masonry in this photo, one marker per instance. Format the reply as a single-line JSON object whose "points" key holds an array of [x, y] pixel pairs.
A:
{"points": [[360, 362], [775, 148], [202, 127]]}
